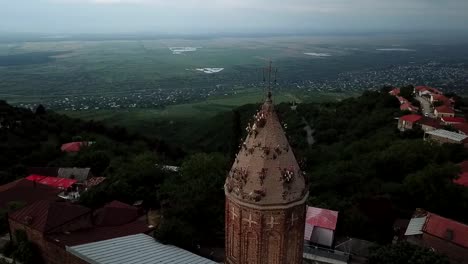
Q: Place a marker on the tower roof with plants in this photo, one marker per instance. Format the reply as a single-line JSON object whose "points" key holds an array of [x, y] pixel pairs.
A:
{"points": [[265, 170]]}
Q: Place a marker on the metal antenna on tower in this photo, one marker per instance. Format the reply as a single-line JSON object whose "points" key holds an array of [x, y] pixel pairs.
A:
{"points": [[270, 70]]}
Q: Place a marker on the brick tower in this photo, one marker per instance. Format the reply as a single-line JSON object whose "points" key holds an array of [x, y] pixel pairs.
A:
{"points": [[265, 197]]}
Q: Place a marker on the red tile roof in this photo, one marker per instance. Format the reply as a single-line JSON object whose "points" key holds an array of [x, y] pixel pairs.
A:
{"points": [[462, 127], [449, 119], [60, 183], [441, 227], [395, 91], [432, 122], [72, 146], [321, 217], [44, 216], [408, 106], [421, 88], [411, 118], [26, 191], [444, 109]]}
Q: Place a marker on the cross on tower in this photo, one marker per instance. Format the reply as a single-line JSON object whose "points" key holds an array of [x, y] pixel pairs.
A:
{"points": [[268, 71], [272, 222], [233, 213], [250, 221], [293, 219]]}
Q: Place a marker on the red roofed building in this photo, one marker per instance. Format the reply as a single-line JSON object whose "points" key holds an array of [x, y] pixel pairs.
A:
{"points": [[444, 110], [407, 121], [448, 120], [73, 147], [395, 91], [320, 226], [60, 183], [462, 128], [409, 107], [53, 226], [441, 234], [429, 124], [402, 100], [440, 98], [27, 192]]}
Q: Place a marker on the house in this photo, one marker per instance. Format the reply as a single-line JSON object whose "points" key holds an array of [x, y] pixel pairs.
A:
{"points": [[429, 124], [407, 121], [409, 107], [444, 136], [395, 91], [320, 226], [53, 226], [139, 248], [448, 120], [463, 176], [402, 100], [73, 147], [440, 98], [444, 110], [79, 174], [55, 182], [440, 234], [26, 192], [462, 128]]}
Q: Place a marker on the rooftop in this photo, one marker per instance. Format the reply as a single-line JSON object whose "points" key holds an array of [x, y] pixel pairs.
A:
{"points": [[26, 191], [444, 109], [447, 229], [140, 248], [321, 217], [448, 134], [449, 119], [265, 171], [411, 118]]}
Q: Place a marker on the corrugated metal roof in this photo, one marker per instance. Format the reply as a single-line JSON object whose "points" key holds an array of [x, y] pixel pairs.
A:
{"points": [[134, 249], [415, 226], [447, 134]]}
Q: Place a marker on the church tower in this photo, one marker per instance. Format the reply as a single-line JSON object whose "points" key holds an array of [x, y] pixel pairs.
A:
{"points": [[265, 197]]}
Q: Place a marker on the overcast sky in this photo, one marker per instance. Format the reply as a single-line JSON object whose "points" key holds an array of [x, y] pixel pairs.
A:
{"points": [[225, 16]]}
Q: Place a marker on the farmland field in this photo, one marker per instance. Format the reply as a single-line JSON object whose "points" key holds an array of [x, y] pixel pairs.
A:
{"points": [[130, 79]]}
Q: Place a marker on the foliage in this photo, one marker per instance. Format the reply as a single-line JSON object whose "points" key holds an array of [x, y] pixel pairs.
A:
{"points": [[24, 250], [407, 92], [193, 202], [405, 253]]}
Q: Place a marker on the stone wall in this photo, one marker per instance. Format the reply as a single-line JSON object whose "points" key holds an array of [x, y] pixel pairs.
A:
{"points": [[261, 236]]}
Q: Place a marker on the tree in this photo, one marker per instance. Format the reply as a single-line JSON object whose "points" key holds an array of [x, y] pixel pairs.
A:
{"points": [[405, 253], [193, 202], [40, 110], [407, 92]]}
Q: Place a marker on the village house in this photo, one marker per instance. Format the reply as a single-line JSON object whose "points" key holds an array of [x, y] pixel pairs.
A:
{"points": [[462, 128], [444, 111], [444, 136], [440, 234], [409, 107], [55, 225], [73, 147], [320, 226], [429, 124], [441, 99], [407, 122], [447, 120]]}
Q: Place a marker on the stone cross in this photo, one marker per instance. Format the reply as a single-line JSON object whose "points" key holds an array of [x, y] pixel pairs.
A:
{"points": [[250, 221], [293, 219], [272, 222], [233, 213]]}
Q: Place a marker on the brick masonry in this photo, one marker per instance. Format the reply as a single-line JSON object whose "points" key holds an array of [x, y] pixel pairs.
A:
{"points": [[256, 236], [51, 253]]}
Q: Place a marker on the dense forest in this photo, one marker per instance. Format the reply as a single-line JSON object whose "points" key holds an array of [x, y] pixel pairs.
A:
{"points": [[359, 165]]}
